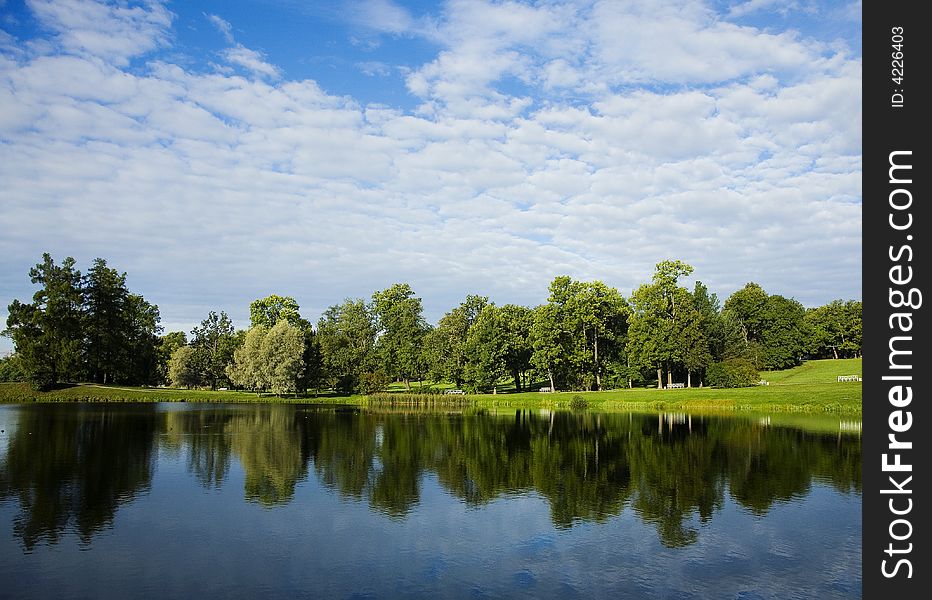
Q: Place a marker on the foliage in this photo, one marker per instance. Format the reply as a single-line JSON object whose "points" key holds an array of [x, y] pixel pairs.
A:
{"points": [[346, 338], [183, 368], [835, 330], [269, 310], [732, 373], [167, 345], [400, 328], [270, 359], [10, 369], [580, 330], [372, 382], [666, 328], [579, 403], [444, 346], [214, 343], [47, 332], [249, 369]]}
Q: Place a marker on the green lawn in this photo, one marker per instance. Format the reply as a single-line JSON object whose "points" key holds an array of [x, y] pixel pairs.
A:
{"points": [[815, 371], [809, 388]]}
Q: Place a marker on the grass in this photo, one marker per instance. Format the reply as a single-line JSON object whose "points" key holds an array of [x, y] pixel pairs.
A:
{"points": [[809, 388], [814, 371]]}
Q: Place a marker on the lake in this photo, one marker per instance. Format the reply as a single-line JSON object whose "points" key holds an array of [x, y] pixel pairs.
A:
{"points": [[302, 501]]}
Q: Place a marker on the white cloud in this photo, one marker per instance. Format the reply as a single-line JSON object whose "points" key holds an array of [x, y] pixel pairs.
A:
{"points": [[251, 60], [115, 32], [223, 26], [214, 189]]}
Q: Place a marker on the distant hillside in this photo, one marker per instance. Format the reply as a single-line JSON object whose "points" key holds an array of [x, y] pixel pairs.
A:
{"points": [[815, 371]]}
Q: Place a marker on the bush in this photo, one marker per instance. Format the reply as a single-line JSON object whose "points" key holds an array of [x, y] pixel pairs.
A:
{"points": [[578, 403], [732, 373], [10, 369], [373, 382]]}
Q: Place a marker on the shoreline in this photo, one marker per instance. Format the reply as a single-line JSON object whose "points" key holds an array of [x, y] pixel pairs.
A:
{"points": [[809, 398]]}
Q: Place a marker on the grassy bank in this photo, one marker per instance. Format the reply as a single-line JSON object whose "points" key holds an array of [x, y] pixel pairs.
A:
{"points": [[809, 388]]}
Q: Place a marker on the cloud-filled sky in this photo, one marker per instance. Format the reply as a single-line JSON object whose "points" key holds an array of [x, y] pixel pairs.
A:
{"points": [[222, 151]]}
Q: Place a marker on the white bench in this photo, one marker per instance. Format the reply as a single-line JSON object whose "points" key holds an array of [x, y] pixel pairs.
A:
{"points": [[849, 378], [454, 392], [671, 386], [545, 389]]}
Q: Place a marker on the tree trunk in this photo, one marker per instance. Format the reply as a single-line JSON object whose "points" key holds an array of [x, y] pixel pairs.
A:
{"points": [[407, 384], [550, 375], [517, 376], [669, 377], [598, 376], [689, 378], [659, 379]]}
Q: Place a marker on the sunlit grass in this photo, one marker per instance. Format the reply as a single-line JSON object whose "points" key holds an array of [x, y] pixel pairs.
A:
{"points": [[810, 388]]}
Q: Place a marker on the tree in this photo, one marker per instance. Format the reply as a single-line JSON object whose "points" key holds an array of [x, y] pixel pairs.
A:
{"points": [[581, 329], [248, 369], [346, 338], [484, 352], [183, 368], [269, 310], [773, 326], [546, 340], [47, 332], [400, 330], [834, 330], [445, 345], [140, 341], [783, 335], [515, 343], [167, 345], [10, 369], [282, 353], [665, 325], [214, 343], [105, 297]]}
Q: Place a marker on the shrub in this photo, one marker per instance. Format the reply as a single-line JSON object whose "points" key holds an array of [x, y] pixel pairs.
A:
{"points": [[732, 373], [372, 382], [578, 403]]}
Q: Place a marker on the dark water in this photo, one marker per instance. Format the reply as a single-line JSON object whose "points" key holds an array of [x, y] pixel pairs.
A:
{"points": [[259, 501]]}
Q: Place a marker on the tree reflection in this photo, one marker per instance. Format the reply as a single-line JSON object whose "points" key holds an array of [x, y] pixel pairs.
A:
{"points": [[72, 469], [75, 467]]}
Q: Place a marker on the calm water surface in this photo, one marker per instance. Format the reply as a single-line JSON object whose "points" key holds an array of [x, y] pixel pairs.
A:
{"points": [[291, 501]]}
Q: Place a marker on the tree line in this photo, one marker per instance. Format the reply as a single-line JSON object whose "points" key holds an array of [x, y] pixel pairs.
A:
{"points": [[586, 336]]}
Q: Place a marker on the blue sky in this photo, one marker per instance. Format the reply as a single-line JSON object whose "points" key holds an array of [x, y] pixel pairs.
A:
{"points": [[222, 151]]}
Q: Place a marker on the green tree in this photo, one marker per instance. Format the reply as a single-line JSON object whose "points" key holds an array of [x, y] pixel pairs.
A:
{"points": [[665, 325], [10, 369], [515, 341], [834, 330], [168, 343], [214, 342], [269, 310], [485, 361], [183, 368], [547, 337], [445, 345], [346, 338], [141, 341], [401, 329], [104, 326], [248, 369], [47, 332], [581, 330], [282, 353], [783, 336]]}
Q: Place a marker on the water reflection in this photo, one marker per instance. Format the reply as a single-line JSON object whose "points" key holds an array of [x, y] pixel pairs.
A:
{"points": [[73, 466], [71, 469]]}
